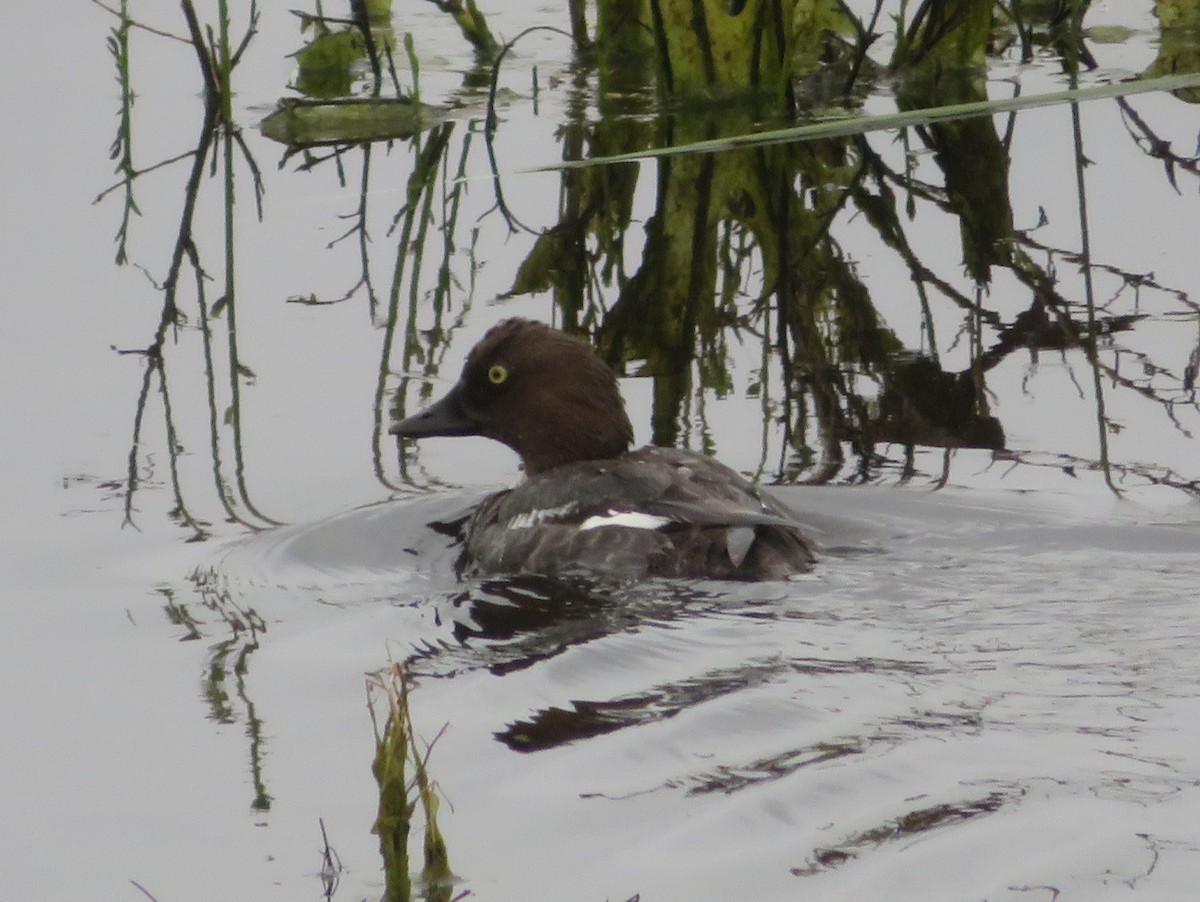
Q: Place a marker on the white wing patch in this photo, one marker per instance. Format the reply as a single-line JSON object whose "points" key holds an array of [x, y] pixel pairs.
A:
{"points": [[631, 519], [529, 519]]}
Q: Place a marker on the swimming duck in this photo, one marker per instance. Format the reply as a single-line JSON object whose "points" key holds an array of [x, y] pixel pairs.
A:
{"points": [[589, 505]]}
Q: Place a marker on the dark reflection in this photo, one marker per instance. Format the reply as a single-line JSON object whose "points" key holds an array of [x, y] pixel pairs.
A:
{"points": [[509, 624], [917, 821], [552, 727], [224, 683], [503, 608], [729, 779]]}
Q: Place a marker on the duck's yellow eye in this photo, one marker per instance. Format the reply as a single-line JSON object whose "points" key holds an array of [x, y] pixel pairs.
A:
{"points": [[497, 374]]}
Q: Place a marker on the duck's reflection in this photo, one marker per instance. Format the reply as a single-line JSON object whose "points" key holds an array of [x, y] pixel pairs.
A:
{"points": [[507, 624]]}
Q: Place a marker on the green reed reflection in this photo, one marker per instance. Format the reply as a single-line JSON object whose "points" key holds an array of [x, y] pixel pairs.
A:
{"points": [[219, 140], [746, 245], [217, 57], [223, 685]]}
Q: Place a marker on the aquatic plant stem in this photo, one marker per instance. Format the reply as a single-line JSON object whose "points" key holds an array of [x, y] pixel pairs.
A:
{"points": [[122, 146], [1090, 341], [226, 60], [865, 37], [358, 10], [1089, 344], [135, 24], [859, 125], [170, 311], [492, 120]]}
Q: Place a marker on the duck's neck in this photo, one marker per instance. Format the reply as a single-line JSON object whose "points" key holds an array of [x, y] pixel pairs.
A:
{"points": [[548, 446]]}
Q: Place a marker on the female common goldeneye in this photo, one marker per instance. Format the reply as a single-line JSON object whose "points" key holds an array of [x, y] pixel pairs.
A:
{"points": [[588, 504]]}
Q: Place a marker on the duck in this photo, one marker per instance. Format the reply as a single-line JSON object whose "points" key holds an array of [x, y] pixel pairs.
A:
{"points": [[589, 505]]}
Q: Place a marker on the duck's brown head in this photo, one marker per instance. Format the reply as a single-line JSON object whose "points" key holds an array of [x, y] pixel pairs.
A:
{"points": [[542, 392]]}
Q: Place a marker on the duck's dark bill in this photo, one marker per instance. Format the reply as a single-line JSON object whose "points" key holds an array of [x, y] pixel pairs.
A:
{"points": [[444, 417]]}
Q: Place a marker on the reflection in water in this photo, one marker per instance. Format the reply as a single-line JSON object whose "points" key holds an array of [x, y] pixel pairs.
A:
{"points": [[228, 661], [747, 247], [509, 624], [914, 822], [218, 135], [552, 727]]}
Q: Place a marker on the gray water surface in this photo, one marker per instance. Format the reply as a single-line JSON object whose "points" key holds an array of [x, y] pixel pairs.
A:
{"points": [[984, 692]]}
